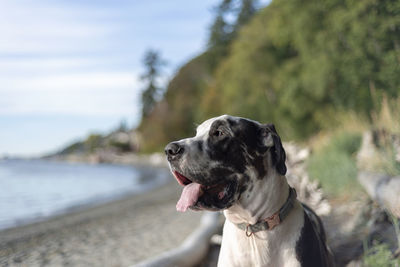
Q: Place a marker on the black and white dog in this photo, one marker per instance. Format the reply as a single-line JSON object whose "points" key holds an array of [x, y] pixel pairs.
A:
{"points": [[238, 165]]}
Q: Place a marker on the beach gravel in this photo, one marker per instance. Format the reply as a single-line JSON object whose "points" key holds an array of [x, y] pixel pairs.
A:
{"points": [[120, 233]]}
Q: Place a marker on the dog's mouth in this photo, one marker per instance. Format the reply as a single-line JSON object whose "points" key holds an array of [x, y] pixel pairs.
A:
{"points": [[192, 192]]}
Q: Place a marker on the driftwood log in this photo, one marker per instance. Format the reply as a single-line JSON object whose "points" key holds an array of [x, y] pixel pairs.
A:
{"points": [[194, 248], [371, 223], [383, 189]]}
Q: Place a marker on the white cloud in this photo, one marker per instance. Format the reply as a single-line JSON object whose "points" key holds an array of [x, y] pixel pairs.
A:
{"points": [[46, 28], [105, 93], [18, 67], [76, 82]]}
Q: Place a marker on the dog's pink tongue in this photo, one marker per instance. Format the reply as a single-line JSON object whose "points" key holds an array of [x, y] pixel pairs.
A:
{"points": [[189, 196]]}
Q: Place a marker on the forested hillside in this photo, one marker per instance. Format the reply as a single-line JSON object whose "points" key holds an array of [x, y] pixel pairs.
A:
{"points": [[301, 65]]}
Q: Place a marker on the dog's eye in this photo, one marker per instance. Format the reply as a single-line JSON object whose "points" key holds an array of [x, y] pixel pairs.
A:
{"points": [[218, 133]]}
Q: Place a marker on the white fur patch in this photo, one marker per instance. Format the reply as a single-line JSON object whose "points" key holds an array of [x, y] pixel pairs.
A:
{"points": [[266, 248]]}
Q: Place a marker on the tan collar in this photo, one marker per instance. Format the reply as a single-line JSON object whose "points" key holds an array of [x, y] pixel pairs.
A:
{"points": [[272, 221]]}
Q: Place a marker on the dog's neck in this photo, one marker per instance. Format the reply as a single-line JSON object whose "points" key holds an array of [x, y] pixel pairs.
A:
{"points": [[261, 200]]}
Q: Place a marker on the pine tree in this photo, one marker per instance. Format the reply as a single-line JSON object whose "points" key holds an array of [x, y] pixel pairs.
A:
{"points": [[247, 10], [220, 34], [153, 64]]}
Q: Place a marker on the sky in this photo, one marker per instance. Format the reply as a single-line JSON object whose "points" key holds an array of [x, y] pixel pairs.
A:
{"points": [[70, 68]]}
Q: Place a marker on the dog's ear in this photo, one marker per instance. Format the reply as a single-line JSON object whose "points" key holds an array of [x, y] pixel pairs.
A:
{"points": [[271, 141]]}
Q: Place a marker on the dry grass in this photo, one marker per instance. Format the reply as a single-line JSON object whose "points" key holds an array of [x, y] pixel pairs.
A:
{"points": [[333, 162], [388, 117]]}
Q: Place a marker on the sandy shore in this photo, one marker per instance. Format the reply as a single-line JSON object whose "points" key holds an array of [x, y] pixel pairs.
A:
{"points": [[120, 233]]}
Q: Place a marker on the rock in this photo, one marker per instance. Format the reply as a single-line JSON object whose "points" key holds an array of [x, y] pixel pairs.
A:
{"points": [[308, 191]]}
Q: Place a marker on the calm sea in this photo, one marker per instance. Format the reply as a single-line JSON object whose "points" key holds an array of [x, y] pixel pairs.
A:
{"points": [[32, 190]]}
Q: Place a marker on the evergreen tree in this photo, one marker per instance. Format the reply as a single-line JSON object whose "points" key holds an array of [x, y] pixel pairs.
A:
{"points": [[153, 64], [220, 35], [247, 10]]}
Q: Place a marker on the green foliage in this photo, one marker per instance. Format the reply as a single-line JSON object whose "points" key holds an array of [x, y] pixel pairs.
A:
{"points": [[379, 256], [222, 33], [120, 146], [174, 116], [220, 38], [334, 165], [76, 147], [294, 63], [247, 11], [346, 142], [92, 142], [297, 61]]}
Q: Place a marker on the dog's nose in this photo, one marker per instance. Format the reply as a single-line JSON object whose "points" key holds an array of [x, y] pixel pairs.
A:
{"points": [[173, 150]]}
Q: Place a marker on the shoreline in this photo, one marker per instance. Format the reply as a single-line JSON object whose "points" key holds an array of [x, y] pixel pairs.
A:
{"points": [[70, 215], [133, 228], [156, 160], [146, 178]]}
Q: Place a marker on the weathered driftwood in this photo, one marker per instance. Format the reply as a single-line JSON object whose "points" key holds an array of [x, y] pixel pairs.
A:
{"points": [[370, 222], [193, 249], [383, 189]]}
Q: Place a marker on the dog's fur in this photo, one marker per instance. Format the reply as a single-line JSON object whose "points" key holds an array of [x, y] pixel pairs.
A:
{"points": [[240, 165]]}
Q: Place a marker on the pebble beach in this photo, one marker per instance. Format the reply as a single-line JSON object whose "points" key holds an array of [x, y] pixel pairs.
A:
{"points": [[120, 233]]}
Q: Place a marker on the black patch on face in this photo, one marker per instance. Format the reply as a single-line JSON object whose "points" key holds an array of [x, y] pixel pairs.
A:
{"points": [[244, 183], [200, 145], [310, 248], [216, 175], [230, 150], [220, 173], [247, 132], [225, 149], [258, 163], [251, 188]]}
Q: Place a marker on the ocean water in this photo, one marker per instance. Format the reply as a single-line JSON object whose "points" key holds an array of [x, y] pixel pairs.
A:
{"points": [[33, 190]]}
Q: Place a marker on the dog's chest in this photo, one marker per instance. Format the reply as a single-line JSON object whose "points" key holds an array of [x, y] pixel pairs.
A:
{"points": [[276, 248]]}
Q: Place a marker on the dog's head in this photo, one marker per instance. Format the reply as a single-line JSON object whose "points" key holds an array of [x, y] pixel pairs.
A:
{"points": [[214, 165]]}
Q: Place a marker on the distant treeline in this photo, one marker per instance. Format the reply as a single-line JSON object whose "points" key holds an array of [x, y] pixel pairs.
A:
{"points": [[295, 63]]}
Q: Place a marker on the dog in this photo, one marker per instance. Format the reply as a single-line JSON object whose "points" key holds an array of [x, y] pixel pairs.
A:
{"points": [[238, 165]]}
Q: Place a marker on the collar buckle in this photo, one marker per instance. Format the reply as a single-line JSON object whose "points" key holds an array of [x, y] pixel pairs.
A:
{"points": [[273, 221]]}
